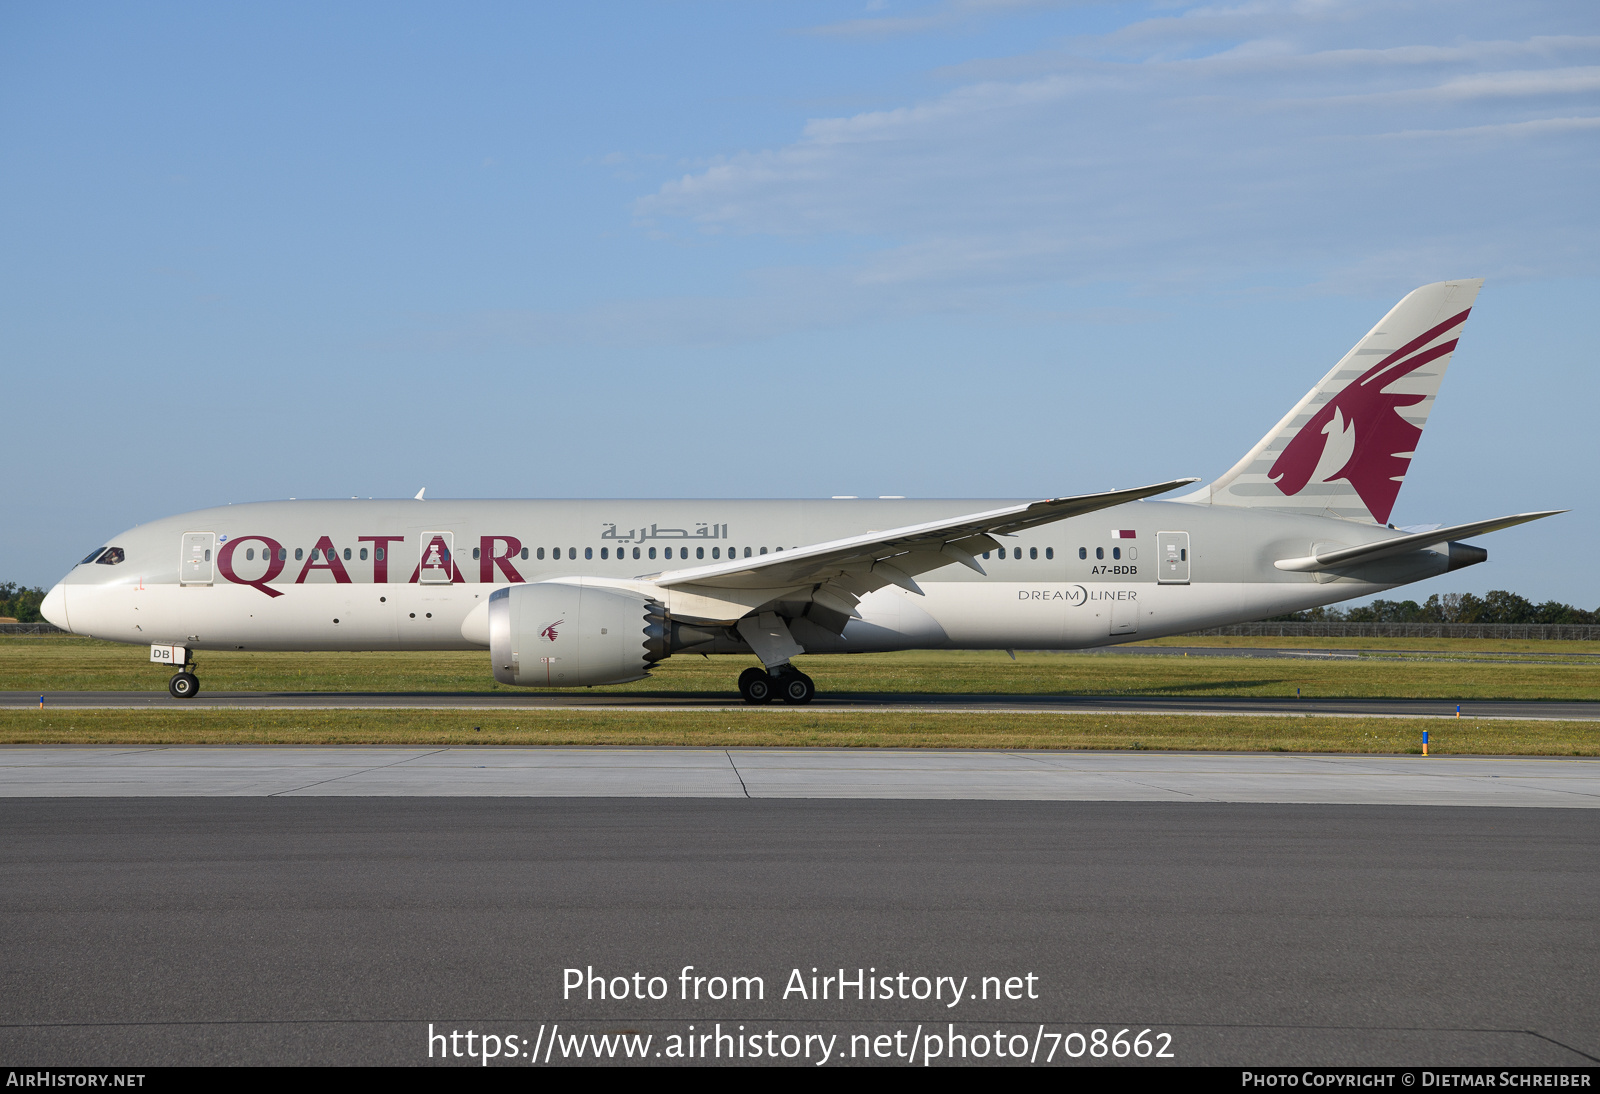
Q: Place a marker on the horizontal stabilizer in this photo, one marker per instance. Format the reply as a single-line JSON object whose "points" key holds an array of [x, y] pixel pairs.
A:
{"points": [[1400, 545]]}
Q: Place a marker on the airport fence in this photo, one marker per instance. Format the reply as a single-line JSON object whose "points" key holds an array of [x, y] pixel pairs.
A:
{"points": [[1581, 632], [30, 628]]}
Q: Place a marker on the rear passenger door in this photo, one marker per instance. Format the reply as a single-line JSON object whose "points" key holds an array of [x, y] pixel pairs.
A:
{"points": [[1172, 558]]}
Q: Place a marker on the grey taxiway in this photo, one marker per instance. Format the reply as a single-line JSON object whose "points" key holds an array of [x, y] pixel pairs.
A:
{"points": [[331, 905], [861, 702]]}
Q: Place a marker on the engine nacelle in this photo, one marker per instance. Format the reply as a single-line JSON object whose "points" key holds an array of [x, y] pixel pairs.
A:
{"points": [[550, 634]]}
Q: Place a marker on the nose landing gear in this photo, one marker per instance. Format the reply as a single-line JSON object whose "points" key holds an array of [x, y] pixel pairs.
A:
{"points": [[758, 687], [184, 685]]}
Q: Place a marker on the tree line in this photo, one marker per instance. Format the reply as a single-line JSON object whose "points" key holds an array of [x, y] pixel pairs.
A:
{"points": [[21, 604], [1495, 606]]}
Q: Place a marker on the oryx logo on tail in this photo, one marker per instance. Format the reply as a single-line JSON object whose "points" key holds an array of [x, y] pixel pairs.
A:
{"points": [[1359, 435], [1344, 449]]}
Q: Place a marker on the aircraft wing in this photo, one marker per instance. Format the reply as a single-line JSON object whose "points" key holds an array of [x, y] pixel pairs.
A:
{"points": [[850, 568], [1400, 545]]}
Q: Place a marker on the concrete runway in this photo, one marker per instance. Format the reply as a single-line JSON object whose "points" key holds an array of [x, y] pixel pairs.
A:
{"points": [[850, 702], [360, 771], [255, 930]]}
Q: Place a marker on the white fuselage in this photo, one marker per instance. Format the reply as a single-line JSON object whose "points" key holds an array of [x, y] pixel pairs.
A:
{"points": [[266, 580]]}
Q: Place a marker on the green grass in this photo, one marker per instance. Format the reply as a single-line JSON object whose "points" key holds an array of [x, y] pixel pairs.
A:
{"points": [[1454, 647], [784, 728], [58, 663]]}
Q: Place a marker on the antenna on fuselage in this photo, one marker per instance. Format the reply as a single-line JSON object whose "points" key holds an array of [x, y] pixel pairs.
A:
{"points": [[421, 492]]}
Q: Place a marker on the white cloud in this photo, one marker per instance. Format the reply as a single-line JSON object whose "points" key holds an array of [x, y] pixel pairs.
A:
{"points": [[1563, 81], [951, 13], [1168, 151], [1533, 127]]}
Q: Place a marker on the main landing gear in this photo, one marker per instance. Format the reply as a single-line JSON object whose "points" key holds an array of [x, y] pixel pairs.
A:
{"points": [[758, 686], [184, 685]]}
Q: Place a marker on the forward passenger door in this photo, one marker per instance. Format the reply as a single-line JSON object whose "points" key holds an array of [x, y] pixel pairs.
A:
{"points": [[196, 559]]}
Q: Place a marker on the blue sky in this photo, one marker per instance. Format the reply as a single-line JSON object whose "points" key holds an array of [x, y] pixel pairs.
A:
{"points": [[972, 248]]}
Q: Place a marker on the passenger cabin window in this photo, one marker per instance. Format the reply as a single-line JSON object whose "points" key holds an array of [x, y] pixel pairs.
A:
{"points": [[986, 554], [525, 554], [1016, 552], [763, 550], [699, 552], [1099, 552], [1049, 552], [1033, 552], [716, 552], [572, 553], [249, 554], [91, 556], [636, 552], [347, 554], [1083, 552], [747, 552], [605, 553], [588, 552], [363, 554], [378, 555], [475, 551], [652, 552], [299, 553], [541, 552], [283, 554], [1116, 552]]}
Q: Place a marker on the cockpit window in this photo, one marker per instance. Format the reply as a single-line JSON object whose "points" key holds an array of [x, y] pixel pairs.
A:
{"points": [[91, 556], [112, 556]]}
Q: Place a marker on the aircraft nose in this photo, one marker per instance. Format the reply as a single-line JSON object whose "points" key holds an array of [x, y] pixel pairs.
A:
{"points": [[54, 607]]}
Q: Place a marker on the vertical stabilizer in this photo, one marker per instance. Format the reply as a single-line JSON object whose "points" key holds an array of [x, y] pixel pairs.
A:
{"points": [[1344, 449]]}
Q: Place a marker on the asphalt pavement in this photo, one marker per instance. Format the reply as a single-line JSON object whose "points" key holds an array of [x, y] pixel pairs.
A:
{"points": [[1562, 710], [252, 930]]}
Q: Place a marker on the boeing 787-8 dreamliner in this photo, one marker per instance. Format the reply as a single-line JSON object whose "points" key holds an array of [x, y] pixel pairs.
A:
{"points": [[583, 593]]}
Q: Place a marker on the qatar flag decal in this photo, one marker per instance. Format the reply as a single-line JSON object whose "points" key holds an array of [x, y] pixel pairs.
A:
{"points": [[1124, 533]]}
